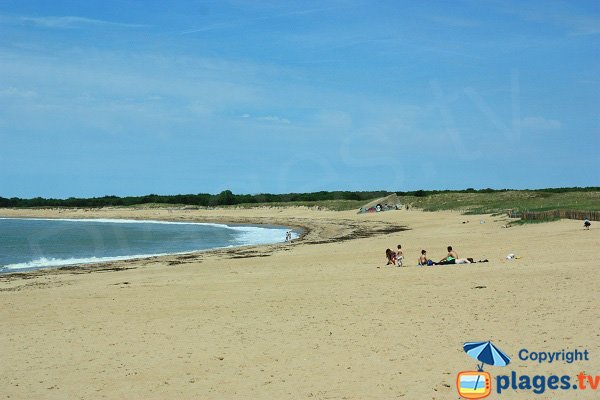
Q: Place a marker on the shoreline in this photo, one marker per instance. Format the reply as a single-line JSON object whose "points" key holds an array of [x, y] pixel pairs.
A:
{"points": [[312, 319], [108, 260], [304, 230], [115, 265]]}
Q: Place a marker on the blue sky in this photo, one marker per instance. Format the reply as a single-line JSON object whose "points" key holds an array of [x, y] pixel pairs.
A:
{"points": [[137, 97]]}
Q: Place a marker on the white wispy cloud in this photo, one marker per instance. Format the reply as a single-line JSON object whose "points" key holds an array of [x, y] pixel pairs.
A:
{"points": [[582, 26], [241, 22], [73, 22], [456, 22], [211, 27], [268, 118], [540, 124], [274, 118], [573, 19], [296, 12], [14, 92]]}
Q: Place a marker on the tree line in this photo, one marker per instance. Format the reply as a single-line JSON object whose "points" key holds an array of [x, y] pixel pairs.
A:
{"points": [[226, 197]]}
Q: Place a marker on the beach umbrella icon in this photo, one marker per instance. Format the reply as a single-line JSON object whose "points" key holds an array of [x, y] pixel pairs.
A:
{"points": [[487, 353]]}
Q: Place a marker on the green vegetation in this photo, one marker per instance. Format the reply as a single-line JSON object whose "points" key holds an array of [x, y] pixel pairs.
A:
{"points": [[334, 200], [470, 201], [534, 221], [333, 205], [502, 201]]}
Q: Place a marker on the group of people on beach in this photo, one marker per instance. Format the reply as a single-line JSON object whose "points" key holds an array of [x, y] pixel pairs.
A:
{"points": [[396, 258]]}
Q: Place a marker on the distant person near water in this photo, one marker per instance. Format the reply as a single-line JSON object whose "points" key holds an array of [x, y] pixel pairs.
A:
{"points": [[587, 224]]}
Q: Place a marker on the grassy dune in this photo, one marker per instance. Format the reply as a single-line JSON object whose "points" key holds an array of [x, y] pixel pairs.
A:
{"points": [[470, 203], [482, 203]]}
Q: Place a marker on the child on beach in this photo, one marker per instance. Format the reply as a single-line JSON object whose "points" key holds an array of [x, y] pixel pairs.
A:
{"points": [[399, 256], [423, 259]]}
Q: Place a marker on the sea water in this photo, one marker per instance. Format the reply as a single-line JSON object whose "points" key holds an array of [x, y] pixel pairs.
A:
{"points": [[27, 244]]}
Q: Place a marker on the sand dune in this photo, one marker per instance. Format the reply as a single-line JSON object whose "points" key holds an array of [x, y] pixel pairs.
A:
{"points": [[320, 318]]}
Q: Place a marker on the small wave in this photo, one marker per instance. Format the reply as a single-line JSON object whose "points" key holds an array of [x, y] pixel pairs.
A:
{"points": [[122, 221], [240, 228], [245, 235], [59, 262], [252, 235], [262, 234]]}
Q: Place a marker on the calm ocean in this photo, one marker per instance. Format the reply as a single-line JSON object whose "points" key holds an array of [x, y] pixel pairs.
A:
{"points": [[27, 244]]}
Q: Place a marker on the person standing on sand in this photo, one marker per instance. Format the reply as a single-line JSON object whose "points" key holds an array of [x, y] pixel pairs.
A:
{"points": [[587, 224], [399, 256]]}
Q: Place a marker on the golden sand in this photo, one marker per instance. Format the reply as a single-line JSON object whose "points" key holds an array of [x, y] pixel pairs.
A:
{"points": [[319, 318]]}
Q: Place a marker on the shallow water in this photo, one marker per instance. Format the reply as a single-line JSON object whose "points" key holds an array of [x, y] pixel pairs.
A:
{"points": [[27, 244]]}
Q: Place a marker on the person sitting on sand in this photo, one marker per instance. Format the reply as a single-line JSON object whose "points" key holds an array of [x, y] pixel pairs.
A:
{"points": [[391, 257], [423, 259], [450, 258], [399, 256]]}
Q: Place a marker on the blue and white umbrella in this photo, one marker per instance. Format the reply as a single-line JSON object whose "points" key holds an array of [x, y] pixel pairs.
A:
{"points": [[487, 353]]}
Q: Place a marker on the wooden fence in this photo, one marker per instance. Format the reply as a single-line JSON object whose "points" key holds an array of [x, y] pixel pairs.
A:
{"points": [[553, 214]]}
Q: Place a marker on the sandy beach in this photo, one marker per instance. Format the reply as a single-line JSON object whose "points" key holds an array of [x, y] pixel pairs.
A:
{"points": [[319, 318]]}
